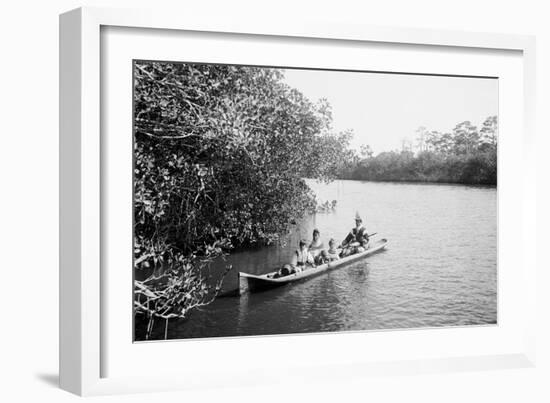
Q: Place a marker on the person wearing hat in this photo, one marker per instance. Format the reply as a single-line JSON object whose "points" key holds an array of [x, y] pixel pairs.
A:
{"points": [[357, 240]]}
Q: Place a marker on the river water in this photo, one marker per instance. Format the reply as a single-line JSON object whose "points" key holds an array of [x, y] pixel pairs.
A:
{"points": [[439, 268]]}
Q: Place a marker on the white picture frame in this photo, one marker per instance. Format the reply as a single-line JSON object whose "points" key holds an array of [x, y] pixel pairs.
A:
{"points": [[83, 337]]}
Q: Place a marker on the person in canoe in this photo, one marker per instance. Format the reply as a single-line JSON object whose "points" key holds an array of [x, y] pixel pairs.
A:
{"points": [[357, 240], [332, 251], [316, 246], [285, 271], [322, 258], [302, 257], [301, 260]]}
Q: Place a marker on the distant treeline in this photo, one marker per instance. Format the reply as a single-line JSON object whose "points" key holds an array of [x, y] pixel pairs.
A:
{"points": [[467, 155]]}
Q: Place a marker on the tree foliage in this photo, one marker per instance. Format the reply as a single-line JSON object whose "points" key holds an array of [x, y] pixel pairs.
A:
{"points": [[219, 156]]}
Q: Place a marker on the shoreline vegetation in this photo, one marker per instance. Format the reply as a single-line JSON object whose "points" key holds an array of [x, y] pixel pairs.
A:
{"points": [[467, 155], [220, 153]]}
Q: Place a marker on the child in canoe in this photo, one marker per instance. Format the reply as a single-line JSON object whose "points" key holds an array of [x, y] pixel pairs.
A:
{"points": [[332, 251], [322, 258], [301, 259], [327, 256]]}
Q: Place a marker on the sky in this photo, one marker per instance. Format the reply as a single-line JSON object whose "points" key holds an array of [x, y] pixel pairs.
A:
{"points": [[383, 109]]}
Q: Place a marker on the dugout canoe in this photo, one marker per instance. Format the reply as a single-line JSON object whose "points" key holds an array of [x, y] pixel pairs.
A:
{"points": [[253, 283]]}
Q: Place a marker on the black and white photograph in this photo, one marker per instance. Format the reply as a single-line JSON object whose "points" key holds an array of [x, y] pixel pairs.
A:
{"points": [[270, 200]]}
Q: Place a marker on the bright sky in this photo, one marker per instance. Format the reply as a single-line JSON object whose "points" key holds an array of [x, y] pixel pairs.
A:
{"points": [[383, 109]]}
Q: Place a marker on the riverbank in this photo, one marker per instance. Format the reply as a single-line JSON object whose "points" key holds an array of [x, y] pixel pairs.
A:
{"points": [[423, 182]]}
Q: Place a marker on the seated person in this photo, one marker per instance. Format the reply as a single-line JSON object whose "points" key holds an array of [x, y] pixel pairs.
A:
{"points": [[322, 258], [357, 240], [332, 250], [316, 246], [302, 257], [286, 270]]}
